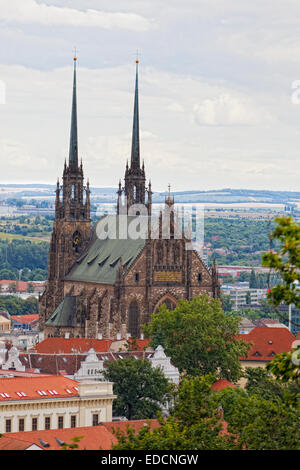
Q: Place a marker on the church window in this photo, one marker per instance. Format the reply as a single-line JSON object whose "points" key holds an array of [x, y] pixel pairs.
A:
{"points": [[99, 309], [133, 319], [73, 192], [199, 277], [137, 277]]}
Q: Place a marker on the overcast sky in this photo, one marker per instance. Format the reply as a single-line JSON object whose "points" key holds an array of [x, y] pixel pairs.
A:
{"points": [[216, 81]]}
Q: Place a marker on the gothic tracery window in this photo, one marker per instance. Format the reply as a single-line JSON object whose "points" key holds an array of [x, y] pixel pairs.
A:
{"points": [[169, 303], [133, 319]]}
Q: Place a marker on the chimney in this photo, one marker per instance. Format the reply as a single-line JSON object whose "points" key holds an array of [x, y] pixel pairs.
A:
{"points": [[118, 336], [67, 335], [128, 335], [100, 336], [142, 336]]}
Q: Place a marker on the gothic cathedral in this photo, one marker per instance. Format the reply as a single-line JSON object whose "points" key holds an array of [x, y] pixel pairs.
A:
{"points": [[101, 287]]}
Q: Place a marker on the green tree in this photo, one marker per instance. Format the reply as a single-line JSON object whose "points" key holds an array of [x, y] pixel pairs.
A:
{"points": [[199, 337], [286, 262], [260, 382], [141, 390], [253, 280], [248, 298], [258, 423], [227, 303], [196, 423], [286, 368]]}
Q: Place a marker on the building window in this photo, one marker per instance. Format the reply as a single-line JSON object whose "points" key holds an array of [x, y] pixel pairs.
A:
{"points": [[47, 422], [21, 424], [199, 277], [60, 422], [8, 425], [73, 421], [95, 420], [137, 277], [34, 423], [133, 319]]}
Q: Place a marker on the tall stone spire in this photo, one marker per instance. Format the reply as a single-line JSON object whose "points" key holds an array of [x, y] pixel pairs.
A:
{"points": [[135, 148], [73, 153], [135, 181]]}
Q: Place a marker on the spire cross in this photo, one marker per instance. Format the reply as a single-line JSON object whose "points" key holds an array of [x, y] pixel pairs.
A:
{"points": [[75, 53], [137, 54]]}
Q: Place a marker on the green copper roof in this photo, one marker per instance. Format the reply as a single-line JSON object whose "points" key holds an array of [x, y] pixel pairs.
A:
{"points": [[64, 314], [101, 260], [135, 148]]}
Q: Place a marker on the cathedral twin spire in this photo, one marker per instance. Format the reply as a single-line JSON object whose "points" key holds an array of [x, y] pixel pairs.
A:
{"points": [[135, 188], [73, 152], [135, 148], [75, 201]]}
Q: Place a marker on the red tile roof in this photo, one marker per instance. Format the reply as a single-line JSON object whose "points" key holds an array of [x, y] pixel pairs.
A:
{"points": [[140, 344], [21, 285], [16, 373], [69, 363], [93, 437], [72, 345], [25, 318], [136, 425], [221, 384], [44, 387], [267, 342], [13, 443]]}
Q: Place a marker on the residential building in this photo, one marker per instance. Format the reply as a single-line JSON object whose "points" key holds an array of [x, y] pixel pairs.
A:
{"points": [[5, 324], [84, 366], [25, 322], [53, 402], [265, 342], [238, 295]]}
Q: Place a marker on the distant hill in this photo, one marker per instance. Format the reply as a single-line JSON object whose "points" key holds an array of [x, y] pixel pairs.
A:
{"points": [[226, 195]]}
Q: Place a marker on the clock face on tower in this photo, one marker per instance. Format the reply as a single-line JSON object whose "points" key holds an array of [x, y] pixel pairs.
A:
{"points": [[76, 240]]}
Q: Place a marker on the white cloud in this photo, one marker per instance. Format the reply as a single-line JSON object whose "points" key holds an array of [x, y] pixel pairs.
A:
{"points": [[30, 11], [228, 110], [215, 90]]}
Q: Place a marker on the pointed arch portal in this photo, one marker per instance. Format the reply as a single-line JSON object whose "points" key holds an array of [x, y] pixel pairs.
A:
{"points": [[169, 301]]}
